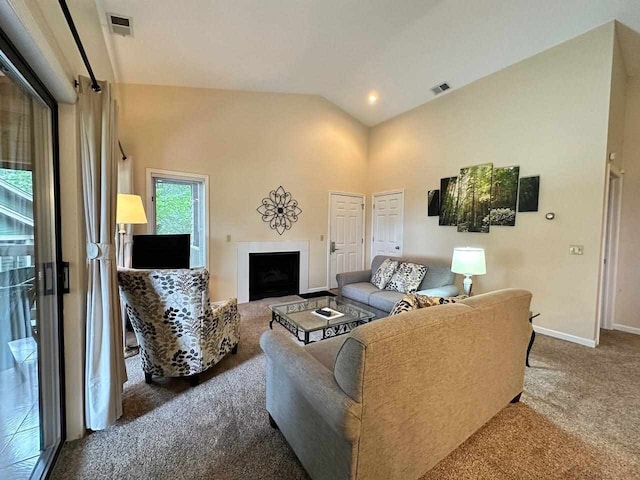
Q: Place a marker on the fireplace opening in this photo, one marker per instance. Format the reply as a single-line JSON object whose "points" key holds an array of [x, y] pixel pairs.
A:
{"points": [[273, 274]]}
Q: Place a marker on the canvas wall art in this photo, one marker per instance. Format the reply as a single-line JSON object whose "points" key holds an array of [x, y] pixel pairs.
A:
{"points": [[504, 196], [449, 201], [433, 203], [529, 191], [474, 198]]}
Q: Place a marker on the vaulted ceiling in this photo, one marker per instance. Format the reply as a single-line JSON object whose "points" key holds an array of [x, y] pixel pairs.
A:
{"points": [[344, 49]]}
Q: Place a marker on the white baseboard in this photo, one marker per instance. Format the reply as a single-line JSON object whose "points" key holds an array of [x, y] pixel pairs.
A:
{"points": [[565, 336], [624, 328], [316, 289]]}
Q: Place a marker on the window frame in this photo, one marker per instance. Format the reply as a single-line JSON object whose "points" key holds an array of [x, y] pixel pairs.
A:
{"points": [[153, 173]]}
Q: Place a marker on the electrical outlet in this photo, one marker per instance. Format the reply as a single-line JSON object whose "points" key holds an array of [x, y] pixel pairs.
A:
{"points": [[576, 249], [228, 238]]}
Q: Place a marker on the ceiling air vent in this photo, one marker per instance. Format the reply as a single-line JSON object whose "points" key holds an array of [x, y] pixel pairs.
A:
{"points": [[120, 24], [438, 89]]}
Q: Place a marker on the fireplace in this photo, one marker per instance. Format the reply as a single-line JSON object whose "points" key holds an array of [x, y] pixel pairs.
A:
{"points": [[273, 274]]}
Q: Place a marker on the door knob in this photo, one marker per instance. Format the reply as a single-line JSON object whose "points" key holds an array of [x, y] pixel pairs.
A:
{"points": [[333, 247], [397, 247]]}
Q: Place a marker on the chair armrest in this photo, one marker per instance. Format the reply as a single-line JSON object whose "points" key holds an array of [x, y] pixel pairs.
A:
{"points": [[353, 277], [315, 382], [218, 307], [446, 291]]}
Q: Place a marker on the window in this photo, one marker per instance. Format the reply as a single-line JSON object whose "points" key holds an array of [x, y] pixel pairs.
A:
{"points": [[179, 205], [31, 360]]}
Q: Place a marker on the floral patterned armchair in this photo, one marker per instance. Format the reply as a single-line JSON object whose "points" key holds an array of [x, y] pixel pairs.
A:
{"points": [[180, 332]]}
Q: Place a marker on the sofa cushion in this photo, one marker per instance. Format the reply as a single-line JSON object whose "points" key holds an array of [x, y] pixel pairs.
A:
{"points": [[384, 299], [326, 351], [407, 278], [359, 291], [383, 274]]}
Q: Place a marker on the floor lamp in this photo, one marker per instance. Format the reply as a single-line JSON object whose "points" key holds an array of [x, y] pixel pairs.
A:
{"points": [[468, 261], [129, 211]]}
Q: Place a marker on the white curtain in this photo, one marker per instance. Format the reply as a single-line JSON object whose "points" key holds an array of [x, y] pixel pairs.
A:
{"points": [[104, 364]]}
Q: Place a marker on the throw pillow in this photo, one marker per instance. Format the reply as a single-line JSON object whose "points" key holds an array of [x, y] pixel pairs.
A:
{"points": [[427, 301], [384, 273], [406, 304], [415, 301], [407, 278]]}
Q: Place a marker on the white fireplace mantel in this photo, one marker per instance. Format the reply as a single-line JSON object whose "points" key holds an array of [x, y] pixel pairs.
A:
{"points": [[245, 248]]}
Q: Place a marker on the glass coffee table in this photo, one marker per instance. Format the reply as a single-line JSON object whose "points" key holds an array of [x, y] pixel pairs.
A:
{"points": [[297, 317]]}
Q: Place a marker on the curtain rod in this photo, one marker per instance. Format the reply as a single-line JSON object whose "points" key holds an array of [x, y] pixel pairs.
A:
{"points": [[72, 26], [95, 86]]}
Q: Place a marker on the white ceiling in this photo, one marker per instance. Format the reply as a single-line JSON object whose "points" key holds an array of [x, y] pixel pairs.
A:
{"points": [[344, 49]]}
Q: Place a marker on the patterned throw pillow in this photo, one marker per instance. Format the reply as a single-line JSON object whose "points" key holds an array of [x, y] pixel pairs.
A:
{"points": [[415, 301], [406, 304], [384, 273], [407, 278], [427, 301]]}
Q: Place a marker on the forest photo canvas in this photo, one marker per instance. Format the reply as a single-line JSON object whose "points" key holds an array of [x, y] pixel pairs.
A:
{"points": [[529, 191], [433, 203], [504, 196], [474, 198], [448, 201]]}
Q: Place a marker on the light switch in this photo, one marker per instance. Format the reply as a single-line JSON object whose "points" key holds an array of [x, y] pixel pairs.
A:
{"points": [[228, 238], [322, 238], [576, 249]]}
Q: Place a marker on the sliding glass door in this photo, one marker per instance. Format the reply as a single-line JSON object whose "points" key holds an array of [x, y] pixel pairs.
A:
{"points": [[31, 423]]}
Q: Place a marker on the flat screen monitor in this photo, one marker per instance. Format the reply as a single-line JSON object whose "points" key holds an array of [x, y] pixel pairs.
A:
{"points": [[161, 251]]}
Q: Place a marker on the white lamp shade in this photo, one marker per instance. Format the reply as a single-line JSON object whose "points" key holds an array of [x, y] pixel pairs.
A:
{"points": [[130, 210], [468, 261]]}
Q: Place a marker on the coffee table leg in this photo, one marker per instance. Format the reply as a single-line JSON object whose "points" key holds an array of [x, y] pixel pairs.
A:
{"points": [[306, 338], [273, 317]]}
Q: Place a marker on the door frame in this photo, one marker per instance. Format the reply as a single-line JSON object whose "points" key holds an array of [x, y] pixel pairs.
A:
{"points": [[373, 217], [328, 248], [43, 468], [612, 266]]}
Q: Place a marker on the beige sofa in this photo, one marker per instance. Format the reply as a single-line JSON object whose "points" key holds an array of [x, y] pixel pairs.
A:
{"points": [[394, 397]]}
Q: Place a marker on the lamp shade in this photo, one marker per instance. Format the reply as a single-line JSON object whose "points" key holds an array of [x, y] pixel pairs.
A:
{"points": [[130, 210], [468, 261]]}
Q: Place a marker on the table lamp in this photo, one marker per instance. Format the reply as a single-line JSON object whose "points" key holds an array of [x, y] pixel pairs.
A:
{"points": [[129, 211], [468, 261]]}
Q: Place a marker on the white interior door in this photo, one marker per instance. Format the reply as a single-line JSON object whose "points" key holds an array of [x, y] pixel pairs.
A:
{"points": [[387, 224], [346, 235]]}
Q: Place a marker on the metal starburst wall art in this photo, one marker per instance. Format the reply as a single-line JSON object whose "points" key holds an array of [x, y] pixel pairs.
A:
{"points": [[279, 210]]}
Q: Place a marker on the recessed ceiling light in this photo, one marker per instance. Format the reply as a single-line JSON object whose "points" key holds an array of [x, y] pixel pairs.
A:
{"points": [[373, 98]]}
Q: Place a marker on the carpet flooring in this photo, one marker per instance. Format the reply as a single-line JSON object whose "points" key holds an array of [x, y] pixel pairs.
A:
{"points": [[579, 419]]}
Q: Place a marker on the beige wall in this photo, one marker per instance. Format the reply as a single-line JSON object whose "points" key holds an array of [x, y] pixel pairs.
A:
{"points": [[547, 114], [248, 143], [627, 313]]}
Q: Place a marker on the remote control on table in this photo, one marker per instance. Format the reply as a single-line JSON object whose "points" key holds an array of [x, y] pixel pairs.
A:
{"points": [[323, 312]]}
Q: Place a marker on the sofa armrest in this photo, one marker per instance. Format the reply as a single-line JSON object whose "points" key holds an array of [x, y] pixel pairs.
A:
{"points": [[315, 382], [353, 277], [446, 291]]}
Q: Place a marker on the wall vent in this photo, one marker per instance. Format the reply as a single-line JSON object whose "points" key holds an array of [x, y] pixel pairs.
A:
{"points": [[120, 24], [438, 89]]}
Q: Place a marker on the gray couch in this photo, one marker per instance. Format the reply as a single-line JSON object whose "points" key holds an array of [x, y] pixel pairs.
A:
{"points": [[438, 282], [392, 398]]}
